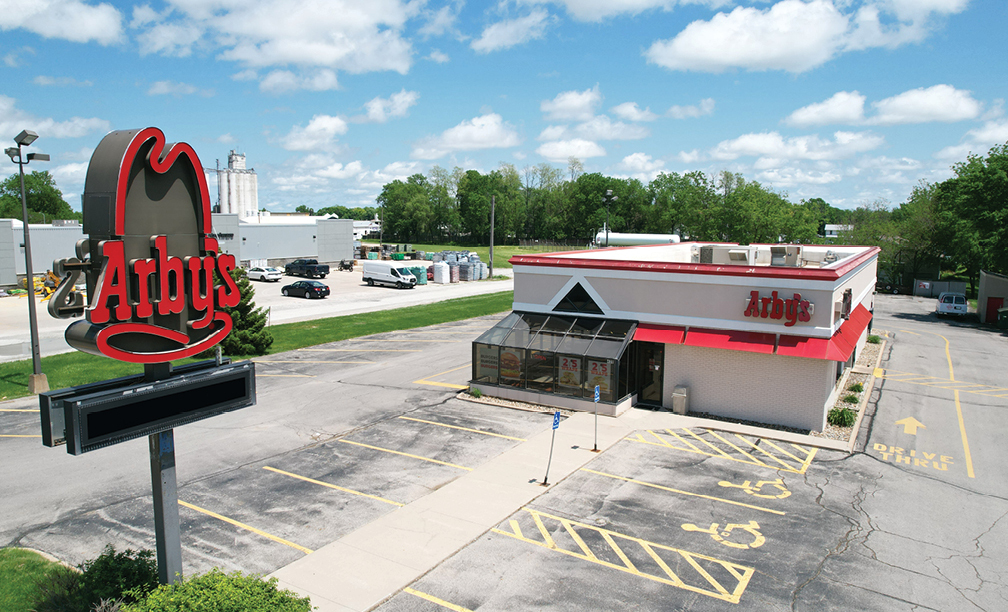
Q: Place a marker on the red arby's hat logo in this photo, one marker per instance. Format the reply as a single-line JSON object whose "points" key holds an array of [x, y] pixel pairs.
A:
{"points": [[150, 277]]}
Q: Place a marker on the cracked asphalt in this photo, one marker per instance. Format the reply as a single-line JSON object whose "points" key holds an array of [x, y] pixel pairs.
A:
{"points": [[664, 520]]}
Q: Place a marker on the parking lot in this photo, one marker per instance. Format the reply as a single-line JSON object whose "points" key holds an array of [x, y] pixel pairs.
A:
{"points": [[350, 437]]}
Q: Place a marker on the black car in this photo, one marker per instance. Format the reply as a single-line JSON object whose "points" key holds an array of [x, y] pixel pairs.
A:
{"points": [[307, 289]]}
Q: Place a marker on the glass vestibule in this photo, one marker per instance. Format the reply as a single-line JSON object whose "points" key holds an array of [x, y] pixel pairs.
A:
{"points": [[559, 354]]}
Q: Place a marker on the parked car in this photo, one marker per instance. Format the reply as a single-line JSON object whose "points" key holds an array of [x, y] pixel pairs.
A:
{"points": [[265, 274], [951, 303], [306, 267], [388, 273], [306, 289]]}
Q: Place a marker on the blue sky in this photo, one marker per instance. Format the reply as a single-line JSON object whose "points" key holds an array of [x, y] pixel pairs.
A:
{"points": [[848, 100]]}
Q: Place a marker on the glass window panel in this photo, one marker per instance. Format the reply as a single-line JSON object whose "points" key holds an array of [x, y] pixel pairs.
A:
{"points": [[570, 368], [485, 359], [494, 335], [508, 321], [558, 324], [600, 372], [512, 367], [576, 345], [616, 329], [587, 327], [541, 371], [610, 349], [518, 338], [546, 342], [530, 322]]}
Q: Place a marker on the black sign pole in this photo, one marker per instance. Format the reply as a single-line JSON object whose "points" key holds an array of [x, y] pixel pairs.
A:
{"points": [[165, 491]]}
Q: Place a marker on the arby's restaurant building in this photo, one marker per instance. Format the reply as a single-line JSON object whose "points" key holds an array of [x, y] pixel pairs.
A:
{"points": [[758, 332]]}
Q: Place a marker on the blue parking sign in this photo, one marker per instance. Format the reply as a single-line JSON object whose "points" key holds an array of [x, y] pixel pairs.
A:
{"points": [[556, 419], [597, 395]]}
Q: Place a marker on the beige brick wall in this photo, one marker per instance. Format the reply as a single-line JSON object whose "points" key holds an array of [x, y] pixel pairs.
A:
{"points": [[790, 391]]}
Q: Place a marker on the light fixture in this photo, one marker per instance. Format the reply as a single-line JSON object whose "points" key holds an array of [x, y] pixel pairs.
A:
{"points": [[26, 137]]}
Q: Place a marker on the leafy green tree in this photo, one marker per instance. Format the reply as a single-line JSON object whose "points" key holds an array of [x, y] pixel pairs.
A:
{"points": [[304, 209], [249, 336], [44, 199]]}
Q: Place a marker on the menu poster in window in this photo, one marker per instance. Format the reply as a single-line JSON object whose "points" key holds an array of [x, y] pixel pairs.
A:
{"points": [[510, 364], [599, 374], [570, 371], [486, 364]]}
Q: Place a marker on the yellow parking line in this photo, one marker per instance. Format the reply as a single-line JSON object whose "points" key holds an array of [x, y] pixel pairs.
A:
{"points": [[435, 600], [18, 410], [959, 414], [671, 490], [332, 486], [307, 361], [386, 450], [479, 431], [19, 436], [231, 521], [258, 375], [328, 350], [427, 381]]}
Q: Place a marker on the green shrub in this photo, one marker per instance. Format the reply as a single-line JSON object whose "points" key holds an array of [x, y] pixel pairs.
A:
{"points": [[856, 387], [219, 592], [841, 417], [61, 591], [125, 576], [475, 393], [850, 399], [873, 339]]}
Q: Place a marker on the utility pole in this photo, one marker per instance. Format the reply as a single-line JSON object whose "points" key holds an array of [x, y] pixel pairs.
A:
{"points": [[493, 208]]}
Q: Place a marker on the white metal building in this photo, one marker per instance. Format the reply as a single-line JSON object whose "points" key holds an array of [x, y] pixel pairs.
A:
{"points": [[237, 188], [758, 332]]}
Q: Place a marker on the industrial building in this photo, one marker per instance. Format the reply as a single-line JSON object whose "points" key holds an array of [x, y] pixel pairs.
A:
{"points": [[759, 333], [237, 188]]}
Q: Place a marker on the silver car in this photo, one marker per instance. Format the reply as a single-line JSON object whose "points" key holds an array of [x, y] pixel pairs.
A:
{"points": [[265, 274]]}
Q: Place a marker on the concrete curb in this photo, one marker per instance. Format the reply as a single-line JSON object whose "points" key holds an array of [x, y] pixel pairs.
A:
{"points": [[864, 400]]}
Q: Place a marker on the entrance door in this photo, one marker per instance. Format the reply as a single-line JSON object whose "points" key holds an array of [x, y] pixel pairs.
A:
{"points": [[993, 303], [650, 369]]}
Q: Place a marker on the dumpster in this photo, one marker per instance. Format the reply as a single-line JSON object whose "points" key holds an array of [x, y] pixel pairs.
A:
{"points": [[1002, 321]]}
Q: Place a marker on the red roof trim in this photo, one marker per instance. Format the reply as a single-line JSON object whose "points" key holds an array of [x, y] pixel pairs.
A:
{"points": [[659, 333], [813, 274], [751, 342]]}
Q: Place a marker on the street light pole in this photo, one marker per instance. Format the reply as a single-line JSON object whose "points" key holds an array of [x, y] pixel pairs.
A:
{"points": [[37, 382], [609, 199]]}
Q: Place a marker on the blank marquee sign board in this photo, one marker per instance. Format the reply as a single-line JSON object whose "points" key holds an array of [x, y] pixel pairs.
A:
{"points": [[148, 264]]}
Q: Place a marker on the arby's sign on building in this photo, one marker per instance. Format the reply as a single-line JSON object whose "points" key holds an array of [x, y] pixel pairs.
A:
{"points": [[779, 307], [149, 258]]}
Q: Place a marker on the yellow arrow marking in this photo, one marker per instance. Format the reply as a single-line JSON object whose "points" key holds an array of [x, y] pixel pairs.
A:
{"points": [[910, 425]]}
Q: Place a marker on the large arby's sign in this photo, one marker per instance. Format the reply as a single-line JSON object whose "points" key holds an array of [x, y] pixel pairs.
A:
{"points": [[149, 259]]}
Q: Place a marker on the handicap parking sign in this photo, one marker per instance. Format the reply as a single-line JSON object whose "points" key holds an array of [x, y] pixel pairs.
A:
{"points": [[556, 419], [596, 394]]}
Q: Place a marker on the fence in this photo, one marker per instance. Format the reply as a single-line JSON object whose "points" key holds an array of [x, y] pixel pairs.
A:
{"points": [[553, 245], [932, 288]]}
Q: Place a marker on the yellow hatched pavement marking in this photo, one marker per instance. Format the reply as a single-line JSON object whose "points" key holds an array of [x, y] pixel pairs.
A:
{"points": [[702, 581], [940, 383], [332, 486], [231, 521], [769, 461], [18, 410], [435, 600], [427, 381], [394, 452], [479, 431], [20, 436]]}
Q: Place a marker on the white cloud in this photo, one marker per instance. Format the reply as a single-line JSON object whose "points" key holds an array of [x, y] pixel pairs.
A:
{"points": [[46, 81], [71, 20], [510, 32], [572, 105], [553, 132], [488, 131], [14, 58], [440, 21], [792, 177], [319, 134], [976, 141], [380, 110], [438, 57], [71, 176], [356, 37], [226, 138], [631, 112], [938, 103], [341, 171], [689, 157], [597, 10], [640, 166], [773, 145], [562, 150], [843, 107], [795, 35], [13, 120], [603, 128], [285, 81], [170, 88], [706, 107], [245, 75]]}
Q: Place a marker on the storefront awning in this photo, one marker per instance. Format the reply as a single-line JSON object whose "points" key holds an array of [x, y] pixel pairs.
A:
{"points": [[837, 348], [752, 342], [659, 333]]}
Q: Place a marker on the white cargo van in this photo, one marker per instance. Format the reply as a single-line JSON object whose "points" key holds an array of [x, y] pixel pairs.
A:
{"points": [[388, 273]]}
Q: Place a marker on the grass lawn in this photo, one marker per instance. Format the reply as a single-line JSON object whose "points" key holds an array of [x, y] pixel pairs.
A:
{"points": [[76, 368], [502, 253], [20, 570]]}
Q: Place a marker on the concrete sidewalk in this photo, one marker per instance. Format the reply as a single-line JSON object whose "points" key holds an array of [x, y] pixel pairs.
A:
{"points": [[366, 567]]}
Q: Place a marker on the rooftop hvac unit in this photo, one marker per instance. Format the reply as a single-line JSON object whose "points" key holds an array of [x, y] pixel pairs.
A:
{"points": [[738, 256], [785, 255], [694, 254], [830, 257], [707, 254]]}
